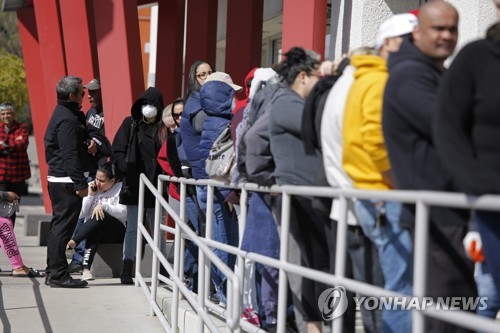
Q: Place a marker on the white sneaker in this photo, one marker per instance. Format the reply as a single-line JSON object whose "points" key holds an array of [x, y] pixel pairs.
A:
{"points": [[86, 275]]}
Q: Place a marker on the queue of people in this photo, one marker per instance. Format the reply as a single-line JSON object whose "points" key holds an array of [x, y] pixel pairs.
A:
{"points": [[387, 117]]}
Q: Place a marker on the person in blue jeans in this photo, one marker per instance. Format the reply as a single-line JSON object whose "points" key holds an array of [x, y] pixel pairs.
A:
{"points": [[380, 223]]}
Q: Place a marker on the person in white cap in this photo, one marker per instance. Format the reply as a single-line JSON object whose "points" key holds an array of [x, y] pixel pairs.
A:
{"points": [[366, 162], [217, 102]]}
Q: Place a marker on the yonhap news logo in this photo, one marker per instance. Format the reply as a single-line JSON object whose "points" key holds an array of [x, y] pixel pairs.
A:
{"points": [[332, 303]]}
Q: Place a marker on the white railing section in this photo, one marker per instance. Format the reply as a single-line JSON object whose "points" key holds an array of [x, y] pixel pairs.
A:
{"points": [[200, 303]]}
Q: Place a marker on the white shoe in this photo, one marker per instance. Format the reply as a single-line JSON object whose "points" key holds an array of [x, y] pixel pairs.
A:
{"points": [[86, 275]]}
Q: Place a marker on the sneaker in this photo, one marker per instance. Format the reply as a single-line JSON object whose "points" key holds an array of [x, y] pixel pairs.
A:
{"points": [[86, 275], [74, 268]]}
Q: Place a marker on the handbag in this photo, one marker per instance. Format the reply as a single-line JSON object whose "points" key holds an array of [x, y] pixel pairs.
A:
{"points": [[7, 209], [221, 159]]}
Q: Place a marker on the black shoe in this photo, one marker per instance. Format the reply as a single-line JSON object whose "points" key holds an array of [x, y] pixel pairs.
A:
{"points": [[67, 282], [74, 268], [126, 274], [47, 279]]}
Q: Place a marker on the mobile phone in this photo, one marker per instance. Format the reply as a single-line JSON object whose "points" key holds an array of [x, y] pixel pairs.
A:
{"points": [[93, 186]]}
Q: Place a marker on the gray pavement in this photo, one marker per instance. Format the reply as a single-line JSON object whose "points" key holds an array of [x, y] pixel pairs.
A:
{"points": [[28, 305]]}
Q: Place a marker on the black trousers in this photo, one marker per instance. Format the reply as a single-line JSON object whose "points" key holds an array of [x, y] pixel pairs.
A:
{"points": [[16, 187], [108, 230], [449, 272], [66, 206]]}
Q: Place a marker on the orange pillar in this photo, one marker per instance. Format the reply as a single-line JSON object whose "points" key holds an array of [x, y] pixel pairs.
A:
{"points": [[79, 41], [201, 35], [169, 48], [243, 38], [119, 55], [304, 24]]}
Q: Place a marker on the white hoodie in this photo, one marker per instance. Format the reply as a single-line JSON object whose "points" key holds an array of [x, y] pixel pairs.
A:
{"points": [[331, 141], [110, 201]]}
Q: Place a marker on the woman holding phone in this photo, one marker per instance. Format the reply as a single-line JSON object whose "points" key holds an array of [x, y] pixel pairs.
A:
{"points": [[104, 216]]}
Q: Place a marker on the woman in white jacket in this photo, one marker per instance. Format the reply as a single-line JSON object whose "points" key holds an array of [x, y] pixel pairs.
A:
{"points": [[105, 217]]}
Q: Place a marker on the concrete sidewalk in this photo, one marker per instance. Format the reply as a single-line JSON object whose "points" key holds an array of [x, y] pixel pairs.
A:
{"points": [[28, 305]]}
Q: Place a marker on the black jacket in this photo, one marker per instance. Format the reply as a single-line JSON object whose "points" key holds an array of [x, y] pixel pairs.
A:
{"points": [[408, 111], [65, 148], [135, 149], [467, 124]]}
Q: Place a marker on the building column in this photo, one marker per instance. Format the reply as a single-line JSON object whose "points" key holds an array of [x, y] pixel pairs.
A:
{"points": [[44, 61], [119, 55], [170, 48], [243, 38], [201, 34], [79, 41], [304, 25]]}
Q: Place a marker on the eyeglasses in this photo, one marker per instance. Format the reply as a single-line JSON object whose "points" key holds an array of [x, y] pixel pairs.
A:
{"points": [[203, 75], [177, 115]]}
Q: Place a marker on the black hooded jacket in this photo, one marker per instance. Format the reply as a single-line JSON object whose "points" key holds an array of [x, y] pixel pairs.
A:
{"points": [[467, 124], [409, 107], [136, 146]]}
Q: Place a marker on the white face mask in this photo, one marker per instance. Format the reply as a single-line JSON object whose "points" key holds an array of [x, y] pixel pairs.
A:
{"points": [[149, 111], [233, 104]]}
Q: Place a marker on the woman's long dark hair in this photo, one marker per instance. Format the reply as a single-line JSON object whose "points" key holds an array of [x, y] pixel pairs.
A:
{"points": [[108, 169], [193, 84], [297, 60]]}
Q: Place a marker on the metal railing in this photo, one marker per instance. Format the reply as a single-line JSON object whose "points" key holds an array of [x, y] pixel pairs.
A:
{"points": [[423, 200]]}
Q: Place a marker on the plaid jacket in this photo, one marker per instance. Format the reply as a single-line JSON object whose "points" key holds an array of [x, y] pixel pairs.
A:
{"points": [[14, 163]]}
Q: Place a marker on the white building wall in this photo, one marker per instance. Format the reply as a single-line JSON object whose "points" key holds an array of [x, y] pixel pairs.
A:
{"points": [[475, 17]]}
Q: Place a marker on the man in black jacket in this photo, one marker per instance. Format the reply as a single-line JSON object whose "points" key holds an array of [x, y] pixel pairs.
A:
{"points": [[409, 103], [466, 130], [65, 150]]}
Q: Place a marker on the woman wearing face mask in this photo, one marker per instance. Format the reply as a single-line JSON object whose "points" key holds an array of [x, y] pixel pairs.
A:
{"points": [[104, 217], [135, 149]]}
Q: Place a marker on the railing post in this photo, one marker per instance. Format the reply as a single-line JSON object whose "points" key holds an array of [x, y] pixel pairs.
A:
{"points": [[140, 221], [240, 273], [208, 235], [156, 242], [340, 253], [420, 260], [283, 280], [177, 259]]}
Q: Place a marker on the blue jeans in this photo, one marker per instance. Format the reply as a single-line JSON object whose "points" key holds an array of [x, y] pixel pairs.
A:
{"points": [[77, 257], [395, 248], [224, 230], [191, 254], [488, 225], [486, 288], [130, 241]]}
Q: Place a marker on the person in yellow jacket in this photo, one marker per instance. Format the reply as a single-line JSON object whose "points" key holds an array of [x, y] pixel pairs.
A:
{"points": [[366, 161]]}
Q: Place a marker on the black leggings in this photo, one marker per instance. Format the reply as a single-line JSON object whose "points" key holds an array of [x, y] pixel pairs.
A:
{"points": [[109, 230]]}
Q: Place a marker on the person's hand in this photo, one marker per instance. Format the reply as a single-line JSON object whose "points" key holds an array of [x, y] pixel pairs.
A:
{"points": [[326, 68], [98, 212], [92, 149], [82, 193], [92, 188], [474, 246], [12, 196]]}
